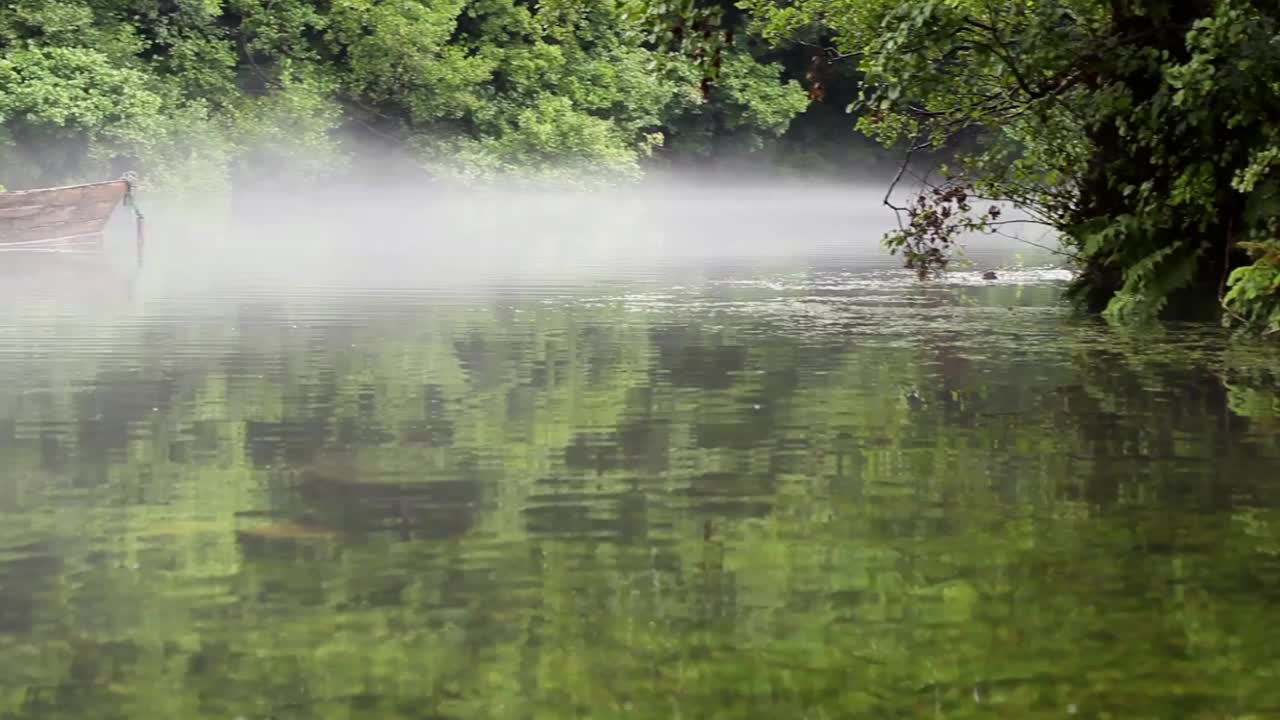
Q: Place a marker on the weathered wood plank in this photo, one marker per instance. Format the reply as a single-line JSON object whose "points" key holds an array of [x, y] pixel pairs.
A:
{"points": [[62, 242], [58, 215], [56, 230]]}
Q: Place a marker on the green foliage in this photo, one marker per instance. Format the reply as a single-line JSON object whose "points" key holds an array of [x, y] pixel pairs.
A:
{"points": [[472, 86], [78, 96], [1254, 295], [752, 99], [1141, 130]]}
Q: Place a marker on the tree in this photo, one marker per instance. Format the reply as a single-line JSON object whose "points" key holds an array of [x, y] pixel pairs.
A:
{"points": [[473, 87], [1145, 131]]}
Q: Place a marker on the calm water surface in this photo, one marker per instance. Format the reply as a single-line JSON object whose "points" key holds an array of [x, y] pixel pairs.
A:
{"points": [[799, 487]]}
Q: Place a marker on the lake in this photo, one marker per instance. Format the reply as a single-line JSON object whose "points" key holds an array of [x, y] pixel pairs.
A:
{"points": [[764, 478]]}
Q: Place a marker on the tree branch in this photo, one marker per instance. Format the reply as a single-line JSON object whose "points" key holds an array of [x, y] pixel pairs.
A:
{"points": [[888, 193]]}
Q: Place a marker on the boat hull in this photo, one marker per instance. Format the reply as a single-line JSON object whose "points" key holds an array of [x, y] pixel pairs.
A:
{"points": [[63, 218]]}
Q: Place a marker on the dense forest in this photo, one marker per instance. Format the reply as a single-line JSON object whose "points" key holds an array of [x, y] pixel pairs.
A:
{"points": [[196, 91], [1146, 132]]}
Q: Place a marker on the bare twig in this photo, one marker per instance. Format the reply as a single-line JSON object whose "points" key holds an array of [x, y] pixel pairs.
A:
{"points": [[1022, 221], [1238, 318], [888, 193], [830, 53], [1024, 241]]}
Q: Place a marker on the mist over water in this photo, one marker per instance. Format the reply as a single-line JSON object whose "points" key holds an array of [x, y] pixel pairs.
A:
{"points": [[415, 235]]}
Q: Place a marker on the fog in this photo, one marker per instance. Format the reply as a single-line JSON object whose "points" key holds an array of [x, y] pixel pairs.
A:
{"points": [[403, 230], [387, 235]]}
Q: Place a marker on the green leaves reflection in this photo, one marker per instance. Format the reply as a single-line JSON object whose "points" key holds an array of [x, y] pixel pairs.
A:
{"points": [[524, 509]]}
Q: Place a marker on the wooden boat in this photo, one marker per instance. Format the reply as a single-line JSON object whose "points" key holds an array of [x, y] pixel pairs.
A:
{"points": [[61, 218]]}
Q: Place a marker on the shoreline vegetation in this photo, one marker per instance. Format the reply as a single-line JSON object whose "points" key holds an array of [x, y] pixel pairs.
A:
{"points": [[1146, 133]]}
